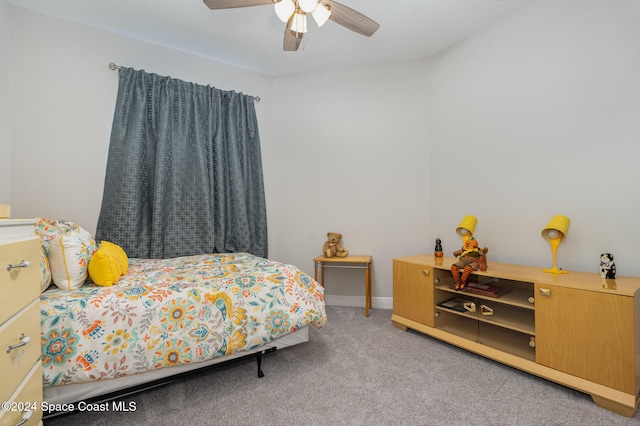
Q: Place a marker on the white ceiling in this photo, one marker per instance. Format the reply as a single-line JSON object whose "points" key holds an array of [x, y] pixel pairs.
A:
{"points": [[251, 37]]}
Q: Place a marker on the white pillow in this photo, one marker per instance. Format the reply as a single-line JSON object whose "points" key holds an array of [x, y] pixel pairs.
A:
{"points": [[70, 248]]}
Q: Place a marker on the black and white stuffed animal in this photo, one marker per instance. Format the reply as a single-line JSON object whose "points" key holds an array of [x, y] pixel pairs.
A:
{"points": [[607, 266]]}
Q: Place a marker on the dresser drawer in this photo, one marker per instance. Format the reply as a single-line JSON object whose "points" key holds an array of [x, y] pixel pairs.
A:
{"points": [[18, 286], [27, 397], [15, 364]]}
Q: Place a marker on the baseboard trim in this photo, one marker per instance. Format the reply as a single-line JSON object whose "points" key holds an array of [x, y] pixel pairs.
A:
{"points": [[359, 301]]}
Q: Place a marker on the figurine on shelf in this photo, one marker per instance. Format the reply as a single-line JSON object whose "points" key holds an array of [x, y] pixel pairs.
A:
{"points": [[438, 250], [607, 266], [470, 258]]}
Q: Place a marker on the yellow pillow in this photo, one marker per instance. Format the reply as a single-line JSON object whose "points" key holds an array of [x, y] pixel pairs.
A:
{"points": [[108, 264], [123, 260]]}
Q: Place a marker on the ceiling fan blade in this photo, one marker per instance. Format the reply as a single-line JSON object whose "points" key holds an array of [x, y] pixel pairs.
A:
{"points": [[292, 39], [231, 4], [349, 18]]}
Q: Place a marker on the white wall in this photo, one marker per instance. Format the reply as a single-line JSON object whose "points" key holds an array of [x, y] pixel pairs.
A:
{"points": [[537, 116], [5, 121], [354, 155], [532, 117], [63, 101]]}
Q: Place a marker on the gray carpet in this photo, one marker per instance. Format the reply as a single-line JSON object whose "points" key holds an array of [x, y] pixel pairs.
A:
{"points": [[360, 371]]}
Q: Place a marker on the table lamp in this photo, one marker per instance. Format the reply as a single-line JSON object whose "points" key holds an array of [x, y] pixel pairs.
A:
{"points": [[466, 228], [556, 231]]}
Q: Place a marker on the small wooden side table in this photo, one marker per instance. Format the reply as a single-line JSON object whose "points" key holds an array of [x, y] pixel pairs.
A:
{"points": [[357, 262]]}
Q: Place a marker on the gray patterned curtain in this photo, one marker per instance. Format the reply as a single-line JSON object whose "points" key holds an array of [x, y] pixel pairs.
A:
{"points": [[184, 172]]}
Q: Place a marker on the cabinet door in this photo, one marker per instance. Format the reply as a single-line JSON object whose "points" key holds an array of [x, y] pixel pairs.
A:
{"points": [[413, 292], [587, 334], [18, 286]]}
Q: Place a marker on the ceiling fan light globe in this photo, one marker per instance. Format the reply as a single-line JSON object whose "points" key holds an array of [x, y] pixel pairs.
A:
{"points": [[321, 14], [299, 24], [308, 6], [284, 9]]}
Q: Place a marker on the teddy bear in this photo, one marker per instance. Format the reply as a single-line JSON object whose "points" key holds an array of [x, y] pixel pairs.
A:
{"points": [[332, 246]]}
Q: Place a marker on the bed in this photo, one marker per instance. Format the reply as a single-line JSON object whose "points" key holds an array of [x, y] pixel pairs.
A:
{"points": [[169, 316]]}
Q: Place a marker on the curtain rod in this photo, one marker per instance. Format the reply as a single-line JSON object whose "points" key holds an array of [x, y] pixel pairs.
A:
{"points": [[114, 67]]}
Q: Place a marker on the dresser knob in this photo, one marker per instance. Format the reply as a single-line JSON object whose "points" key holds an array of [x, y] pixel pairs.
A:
{"points": [[22, 264], [23, 341], [426, 272], [26, 416]]}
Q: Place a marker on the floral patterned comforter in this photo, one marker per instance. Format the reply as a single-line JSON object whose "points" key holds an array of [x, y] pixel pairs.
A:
{"points": [[173, 311]]}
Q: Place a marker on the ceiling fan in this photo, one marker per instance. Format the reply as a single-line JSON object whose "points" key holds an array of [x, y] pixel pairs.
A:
{"points": [[294, 13]]}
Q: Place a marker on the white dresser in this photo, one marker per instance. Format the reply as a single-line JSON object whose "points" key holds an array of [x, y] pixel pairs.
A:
{"points": [[20, 367]]}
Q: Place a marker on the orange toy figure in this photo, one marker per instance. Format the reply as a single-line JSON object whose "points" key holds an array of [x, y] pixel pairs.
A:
{"points": [[471, 258]]}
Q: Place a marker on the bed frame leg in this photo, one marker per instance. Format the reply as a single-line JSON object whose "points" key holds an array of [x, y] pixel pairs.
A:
{"points": [[259, 359]]}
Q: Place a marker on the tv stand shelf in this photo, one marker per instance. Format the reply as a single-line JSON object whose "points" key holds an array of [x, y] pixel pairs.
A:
{"points": [[575, 329]]}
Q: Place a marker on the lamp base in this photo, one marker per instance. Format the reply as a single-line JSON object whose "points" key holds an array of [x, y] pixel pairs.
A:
{"points": [[555, 270]]}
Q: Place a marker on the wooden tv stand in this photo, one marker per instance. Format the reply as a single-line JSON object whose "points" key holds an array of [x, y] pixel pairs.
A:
{"points": [[575, 329]]}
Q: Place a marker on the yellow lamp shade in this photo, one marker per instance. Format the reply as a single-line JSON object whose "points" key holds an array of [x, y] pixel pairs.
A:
{"points": [[558, 226], [467, 226], [556, 231]]}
